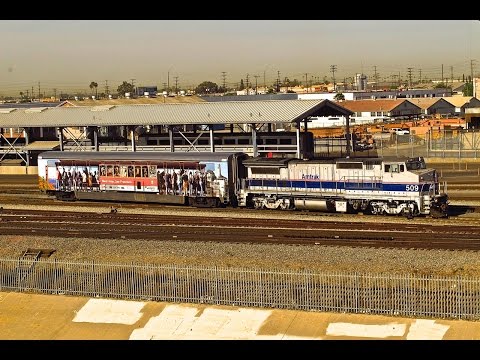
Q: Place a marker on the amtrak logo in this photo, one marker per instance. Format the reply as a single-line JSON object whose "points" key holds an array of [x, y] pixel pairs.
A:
{"points": [[310, 177]]}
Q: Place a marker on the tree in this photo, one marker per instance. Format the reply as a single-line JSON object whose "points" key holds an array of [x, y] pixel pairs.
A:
{"points": [[442, 86], [468, 89], [206, 87], [94, 85], [242, 85], [338, 97], [125, 87]]}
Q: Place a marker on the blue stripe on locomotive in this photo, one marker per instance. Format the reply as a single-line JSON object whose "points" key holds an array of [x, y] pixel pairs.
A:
{"points": [[339, 185]]}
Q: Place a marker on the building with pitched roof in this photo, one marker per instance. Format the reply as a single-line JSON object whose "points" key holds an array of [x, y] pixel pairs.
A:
{"points": [[463, 102], [434, 106]]}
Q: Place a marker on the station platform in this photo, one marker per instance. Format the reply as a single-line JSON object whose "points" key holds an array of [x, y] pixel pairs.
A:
{"points": [[26, 316]]}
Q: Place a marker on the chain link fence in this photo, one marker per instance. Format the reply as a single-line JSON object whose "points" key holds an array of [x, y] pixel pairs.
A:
{"points": [[441, 143]]}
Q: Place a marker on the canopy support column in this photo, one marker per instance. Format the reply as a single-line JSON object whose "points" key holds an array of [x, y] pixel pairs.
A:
{"points": [[212, 140]]}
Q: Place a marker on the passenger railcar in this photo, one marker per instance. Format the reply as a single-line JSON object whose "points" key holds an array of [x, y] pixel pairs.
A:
{"points": [[198, 179], [349, 185]]}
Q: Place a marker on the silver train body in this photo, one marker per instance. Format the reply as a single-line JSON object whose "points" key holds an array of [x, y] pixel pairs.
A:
{"points": [[367, 185], [371, 185]]}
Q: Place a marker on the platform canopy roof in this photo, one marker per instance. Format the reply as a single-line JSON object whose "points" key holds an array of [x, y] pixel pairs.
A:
{"points": [[205, 113]]}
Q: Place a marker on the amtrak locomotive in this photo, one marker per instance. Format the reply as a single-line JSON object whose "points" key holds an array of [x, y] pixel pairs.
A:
{"points": [[348, 185]]}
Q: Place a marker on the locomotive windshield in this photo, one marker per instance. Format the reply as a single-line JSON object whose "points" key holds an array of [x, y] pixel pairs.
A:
{"points": [[416, 163]]}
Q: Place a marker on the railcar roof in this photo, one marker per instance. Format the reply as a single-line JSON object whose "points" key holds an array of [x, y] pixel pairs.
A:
{"points": [[136, 155]]}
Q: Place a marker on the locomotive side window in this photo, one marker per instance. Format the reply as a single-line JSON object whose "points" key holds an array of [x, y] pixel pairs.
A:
{"points": [[265, 170], [116, 171], [353, 165], [109, 170], [144, 171], [123, 171], [103, 170], [394, 168], [130, 170]]}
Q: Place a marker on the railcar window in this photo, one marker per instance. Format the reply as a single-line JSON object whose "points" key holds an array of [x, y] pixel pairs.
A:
{"points": [[144, 171], [265, 170], [152, 171], [352, 165], [109, 170], [103, 170], [123, 171], [287, 141], [116, 170], [138, 171], [243, 141], [130, 170]]}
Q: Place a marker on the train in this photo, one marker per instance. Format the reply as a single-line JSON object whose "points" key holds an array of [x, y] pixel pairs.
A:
{"points": [[377, 185]]}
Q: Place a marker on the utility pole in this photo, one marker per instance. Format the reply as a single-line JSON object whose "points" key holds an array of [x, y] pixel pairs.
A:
{"points": [[256, 87], [247, 83], [224, 76], [451, 74], [33, 96], [333, 68], [471, 69], [420, 75], [168, 81], [306, 81], [133, 84], [176, 84], [278, 80], [39, 90], [409, 77], [55, 94], [106, 87], [442, 73]]}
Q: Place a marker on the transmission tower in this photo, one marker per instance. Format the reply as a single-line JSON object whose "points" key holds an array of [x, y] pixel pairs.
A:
{"points": [[333, 68], [224, 76], [375, 76], [256, 84], [409, 77]]}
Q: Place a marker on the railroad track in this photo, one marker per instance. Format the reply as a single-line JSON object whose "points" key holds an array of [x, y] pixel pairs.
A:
{"points": [[409, 235]]}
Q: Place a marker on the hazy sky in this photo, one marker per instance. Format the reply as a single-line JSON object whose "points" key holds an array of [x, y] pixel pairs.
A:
{"points": [[70, 54]]}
